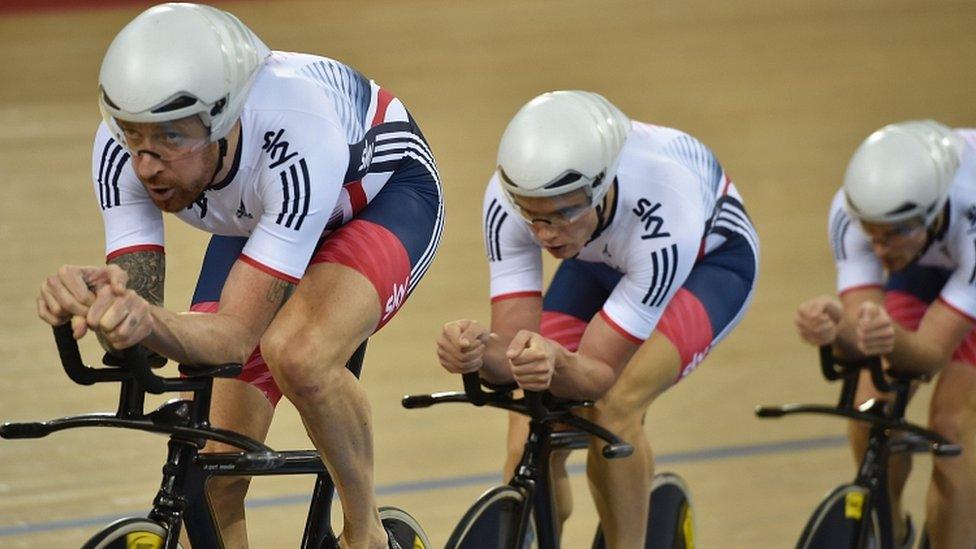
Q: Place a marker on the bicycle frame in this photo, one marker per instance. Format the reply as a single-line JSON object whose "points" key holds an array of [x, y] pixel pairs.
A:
{"points": [[532, 473], [884, 418], [181, 497]]}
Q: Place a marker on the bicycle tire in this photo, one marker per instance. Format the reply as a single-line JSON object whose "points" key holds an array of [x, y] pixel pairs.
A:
{"points": [[670, 524], [492, 522], [404, 527], [833, 521], [129, 532]]}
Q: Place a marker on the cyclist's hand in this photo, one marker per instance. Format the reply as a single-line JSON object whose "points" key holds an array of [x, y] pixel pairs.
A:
{"points": [[462, 345], [121, 316], [532, 359], [68, 294], [875, 330], [816, 320]]}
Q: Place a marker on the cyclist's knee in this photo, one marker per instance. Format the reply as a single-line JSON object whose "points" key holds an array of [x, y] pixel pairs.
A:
{"points": [[618, 411], [557, 463], [302, 364], [226, 493]]}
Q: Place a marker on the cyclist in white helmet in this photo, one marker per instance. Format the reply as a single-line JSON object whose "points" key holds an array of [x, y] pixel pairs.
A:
{"points": [[903, 233], [325, 205], [659, 262]]}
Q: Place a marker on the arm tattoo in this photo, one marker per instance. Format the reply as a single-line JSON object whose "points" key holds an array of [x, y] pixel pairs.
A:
{"points": [[280, 291], [147, 271]]}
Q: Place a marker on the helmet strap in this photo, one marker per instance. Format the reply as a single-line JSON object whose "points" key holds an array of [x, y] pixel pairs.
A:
{"points": [[935, 231], [222, 146], [605, 210]]}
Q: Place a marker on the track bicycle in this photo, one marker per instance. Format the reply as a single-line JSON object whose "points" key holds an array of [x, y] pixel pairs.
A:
{"points": [[858, 514], [181, 499], [520, 514]]}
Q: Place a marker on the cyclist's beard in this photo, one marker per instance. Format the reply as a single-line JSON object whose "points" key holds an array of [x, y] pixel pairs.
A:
{"points": [[183, 189]]}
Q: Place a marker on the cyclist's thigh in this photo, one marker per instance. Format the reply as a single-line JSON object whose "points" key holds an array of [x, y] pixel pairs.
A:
{"points": [[393, 240], [239, 407], [952, 410], [712, 301]]}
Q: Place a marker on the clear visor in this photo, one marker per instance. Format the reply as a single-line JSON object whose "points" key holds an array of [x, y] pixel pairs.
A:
{"points": [[167, 141], [555, 211], [893, 233]]}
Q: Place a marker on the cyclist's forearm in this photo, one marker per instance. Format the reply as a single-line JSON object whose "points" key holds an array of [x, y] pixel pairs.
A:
{"points": [[846, 343], [580, 376], [913, 353], [496, 368], [196, 338]]}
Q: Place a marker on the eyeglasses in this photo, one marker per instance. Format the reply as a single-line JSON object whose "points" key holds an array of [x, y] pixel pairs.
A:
{"points": [[167, 141], [556, 219], [888, 234]]}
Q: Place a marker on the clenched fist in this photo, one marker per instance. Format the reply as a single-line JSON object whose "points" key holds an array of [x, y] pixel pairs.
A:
{"points": [[816, 320], [461, 346]]}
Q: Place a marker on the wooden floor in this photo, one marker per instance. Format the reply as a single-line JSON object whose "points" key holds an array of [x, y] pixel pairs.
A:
{"points": [[782, 90]]}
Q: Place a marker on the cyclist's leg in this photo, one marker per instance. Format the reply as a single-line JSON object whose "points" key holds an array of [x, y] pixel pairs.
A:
{"points": [[240, 407], [244, 405], [709, 305], [577, 291], [951, 502], [357, 281], [907, 295], [620, 487]]}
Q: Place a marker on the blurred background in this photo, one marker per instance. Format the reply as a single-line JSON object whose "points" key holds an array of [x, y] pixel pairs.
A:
{"points": [[781, 90]]}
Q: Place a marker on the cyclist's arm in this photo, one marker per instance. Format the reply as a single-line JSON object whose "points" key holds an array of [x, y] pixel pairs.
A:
{"points": [[846, 343], [930, 348], [592, 370], [508, 316], [926, 350], [147, 276], [248, 303]]}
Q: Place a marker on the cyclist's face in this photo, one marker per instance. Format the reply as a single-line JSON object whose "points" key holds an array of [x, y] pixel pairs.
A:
{"points": [[563, 224], [175, 161], [896, 244]]}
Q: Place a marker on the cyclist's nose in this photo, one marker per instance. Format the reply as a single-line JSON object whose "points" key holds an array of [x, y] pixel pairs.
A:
{"points": [[146, 164]]}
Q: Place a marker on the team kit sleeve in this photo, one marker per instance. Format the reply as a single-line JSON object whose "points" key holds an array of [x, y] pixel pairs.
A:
{"points": [[857, 267], [299, 184], [514, 257], [959, 292], [656, 269], [132, 222]]}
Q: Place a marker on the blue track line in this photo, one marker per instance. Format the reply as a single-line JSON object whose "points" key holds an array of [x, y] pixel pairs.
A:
{"points": [[705, 454]]}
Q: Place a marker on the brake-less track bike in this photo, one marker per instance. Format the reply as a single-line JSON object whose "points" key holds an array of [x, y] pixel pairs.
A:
{"points": [[181, 498], [857, 515], [520, 514]]}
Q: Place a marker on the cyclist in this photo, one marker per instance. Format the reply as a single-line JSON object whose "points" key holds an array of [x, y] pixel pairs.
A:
{"points": [[903, 233], [659, 262], [325, 205]]}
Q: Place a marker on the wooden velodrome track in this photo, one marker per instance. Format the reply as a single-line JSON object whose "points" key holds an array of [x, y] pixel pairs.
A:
{"points": [[782, 90]]}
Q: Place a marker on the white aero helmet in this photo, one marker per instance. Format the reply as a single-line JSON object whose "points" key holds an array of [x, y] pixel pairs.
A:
{"points": [[177, 60], [562, 141], [902, 172]]}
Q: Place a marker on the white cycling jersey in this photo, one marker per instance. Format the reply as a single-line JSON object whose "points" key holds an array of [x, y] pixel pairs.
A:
{"points": [[673, 205], [318, 142], [954, 248]]}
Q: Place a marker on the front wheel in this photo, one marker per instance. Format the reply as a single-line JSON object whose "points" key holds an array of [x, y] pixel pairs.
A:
{"points": [[834, 522], [404, 528], [670, 524], [126, 533], [492, 522]]}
